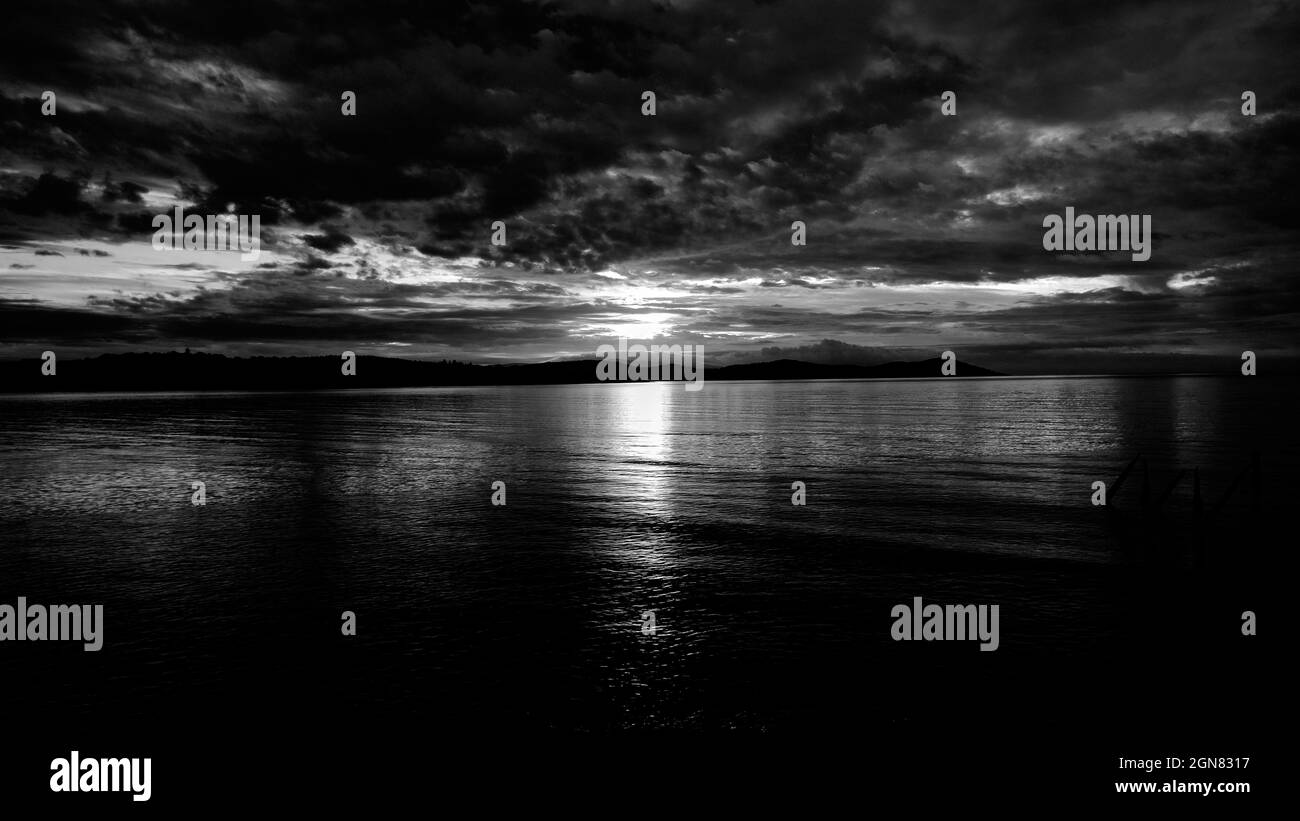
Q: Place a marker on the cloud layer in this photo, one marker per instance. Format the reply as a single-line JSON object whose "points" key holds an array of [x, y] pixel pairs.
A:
{"points": [[924, 232]]}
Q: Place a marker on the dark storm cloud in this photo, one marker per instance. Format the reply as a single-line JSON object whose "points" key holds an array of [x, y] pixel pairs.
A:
{"points": [[24, 321], [510, 98]]}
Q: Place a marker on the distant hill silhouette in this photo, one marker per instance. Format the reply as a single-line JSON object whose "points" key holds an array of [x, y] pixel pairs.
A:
{"points": [[794, 369], [202, 371]]}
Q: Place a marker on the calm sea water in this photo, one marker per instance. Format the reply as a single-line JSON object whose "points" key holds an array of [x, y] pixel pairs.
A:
{"points": [[621, 498]]}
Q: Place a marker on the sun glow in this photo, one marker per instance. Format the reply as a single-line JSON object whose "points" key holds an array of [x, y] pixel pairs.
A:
{"points": [[631, 326]]}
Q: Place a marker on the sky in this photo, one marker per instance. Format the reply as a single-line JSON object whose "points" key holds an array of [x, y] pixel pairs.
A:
{"points": [[924, 232]]}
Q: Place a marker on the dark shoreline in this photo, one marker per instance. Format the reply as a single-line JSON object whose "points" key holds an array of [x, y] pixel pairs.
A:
{"points": [[215, 373]]}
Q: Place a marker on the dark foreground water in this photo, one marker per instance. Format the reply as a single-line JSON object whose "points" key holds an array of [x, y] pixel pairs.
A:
{"points": [[527, 618]]}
